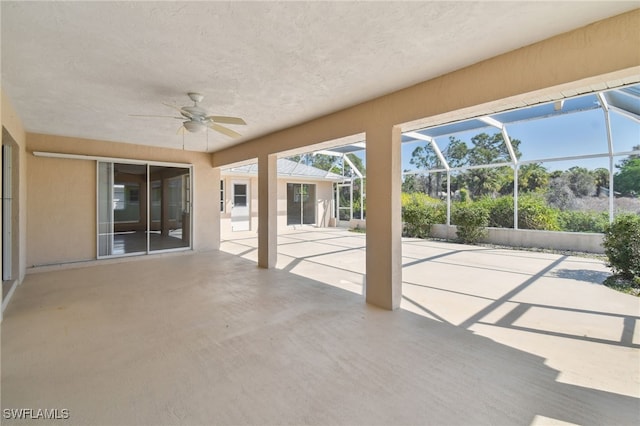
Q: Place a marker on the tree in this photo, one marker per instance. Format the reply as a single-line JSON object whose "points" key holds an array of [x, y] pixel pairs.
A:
{"points": [[532, 177], [601, 178], [491, 149], [357, 161], [456, 152], [425, 158], [581, 181], [359, 185], [559, 194], [627, 180], [414, 183]]}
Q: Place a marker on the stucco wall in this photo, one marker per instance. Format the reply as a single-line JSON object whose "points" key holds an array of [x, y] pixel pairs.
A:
{"points": [[575, 241], [324, 195], [61, 219], [62, 192]]}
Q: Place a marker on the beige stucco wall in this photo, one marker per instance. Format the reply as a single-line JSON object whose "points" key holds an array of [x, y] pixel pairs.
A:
{"points": [[324, 194], [62, 211]]}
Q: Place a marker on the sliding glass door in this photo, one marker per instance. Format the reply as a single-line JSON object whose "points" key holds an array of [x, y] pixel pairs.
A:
{"points": [[142, 208], [301, 204]]}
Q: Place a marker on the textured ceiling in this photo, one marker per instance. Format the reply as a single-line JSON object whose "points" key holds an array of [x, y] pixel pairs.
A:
{"points": [[81, 68]]}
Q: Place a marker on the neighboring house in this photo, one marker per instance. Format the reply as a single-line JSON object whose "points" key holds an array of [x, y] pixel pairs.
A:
{"points": [[305, 197]]}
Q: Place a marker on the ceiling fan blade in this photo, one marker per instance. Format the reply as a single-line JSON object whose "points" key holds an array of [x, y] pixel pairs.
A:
{"points": [[224, 130], [155, 116], [226, 120], [180, 110], [181, 129]]}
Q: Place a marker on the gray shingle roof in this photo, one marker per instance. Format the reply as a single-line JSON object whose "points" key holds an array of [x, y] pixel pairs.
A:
{"points": [[288, 168]]}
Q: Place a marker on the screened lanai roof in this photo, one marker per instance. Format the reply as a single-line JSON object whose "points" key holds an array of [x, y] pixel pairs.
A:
{"points": [[625, 100]]}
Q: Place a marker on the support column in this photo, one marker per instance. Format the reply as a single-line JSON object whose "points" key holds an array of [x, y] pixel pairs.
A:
{"points": [[215, 225], [384, 222], [267, 211]]}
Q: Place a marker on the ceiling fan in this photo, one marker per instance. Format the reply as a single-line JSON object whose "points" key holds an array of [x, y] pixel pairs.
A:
{"points": [[196, 118]]}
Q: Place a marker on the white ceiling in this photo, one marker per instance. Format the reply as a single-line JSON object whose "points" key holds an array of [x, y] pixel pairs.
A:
{"points": [[81, 68]]}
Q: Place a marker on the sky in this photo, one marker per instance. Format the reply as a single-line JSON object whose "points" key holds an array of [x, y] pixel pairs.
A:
{"points": [[580, 133]]}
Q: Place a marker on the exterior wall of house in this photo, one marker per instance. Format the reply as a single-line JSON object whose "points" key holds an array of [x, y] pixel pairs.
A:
{"points": [[324, 195], [62, 192]]}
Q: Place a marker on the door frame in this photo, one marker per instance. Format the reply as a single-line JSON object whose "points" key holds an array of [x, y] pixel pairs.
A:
{"points": [[314, 202], [232, 196], [148, 165]]}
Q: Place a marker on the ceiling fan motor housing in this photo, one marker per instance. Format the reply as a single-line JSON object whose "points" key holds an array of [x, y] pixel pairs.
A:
{"points": [[196, 97], [194, 126]]}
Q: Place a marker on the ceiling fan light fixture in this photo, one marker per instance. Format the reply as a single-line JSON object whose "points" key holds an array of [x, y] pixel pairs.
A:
{"points": [[194, 126]]}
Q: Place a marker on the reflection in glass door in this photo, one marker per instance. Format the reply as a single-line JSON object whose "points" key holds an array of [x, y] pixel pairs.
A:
{"points": [[142, 208], [122, 218], [105, 209], [170, 207]]}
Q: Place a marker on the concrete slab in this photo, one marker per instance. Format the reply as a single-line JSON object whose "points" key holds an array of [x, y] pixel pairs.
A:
{"points": [[209, 338], [515, 297]]}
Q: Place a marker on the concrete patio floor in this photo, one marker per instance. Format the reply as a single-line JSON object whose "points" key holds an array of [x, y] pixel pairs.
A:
{"points": [[546, 304], [485, 336]]}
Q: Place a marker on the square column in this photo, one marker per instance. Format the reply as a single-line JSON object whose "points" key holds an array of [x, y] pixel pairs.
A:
{"points": [[267, 211], [384, 221], [215, 223]]}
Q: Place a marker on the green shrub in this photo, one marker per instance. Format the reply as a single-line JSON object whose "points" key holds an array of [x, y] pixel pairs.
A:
{"points": [[622, 245], [533, 212], [465, 197], [500, 211], [419, 212], [471, 221], [579, 221]]}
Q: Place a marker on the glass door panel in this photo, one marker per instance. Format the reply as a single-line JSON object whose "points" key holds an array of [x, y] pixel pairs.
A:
{"points": [[170, 196], [129, 213], [308, 204], [105, 209], [301, 204], [294, 204]]}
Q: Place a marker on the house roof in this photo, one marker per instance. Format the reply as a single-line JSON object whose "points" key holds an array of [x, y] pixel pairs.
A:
{"points": [[287, 168]]}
